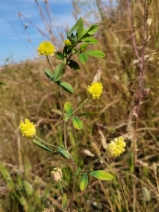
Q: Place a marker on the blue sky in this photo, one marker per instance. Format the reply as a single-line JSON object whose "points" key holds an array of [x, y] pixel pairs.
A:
{"points": [[14, 38]]}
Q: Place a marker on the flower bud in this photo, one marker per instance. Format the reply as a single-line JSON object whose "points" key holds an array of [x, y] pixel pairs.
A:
{"points": [[56, 174]]}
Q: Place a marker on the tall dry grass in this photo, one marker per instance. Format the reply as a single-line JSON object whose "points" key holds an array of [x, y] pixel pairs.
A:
{"points": [[26, 92]]}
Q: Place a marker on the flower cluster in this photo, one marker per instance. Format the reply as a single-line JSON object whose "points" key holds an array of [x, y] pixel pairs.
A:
{"points": [[67, 42], [56, 174], [46, 48], [27, 128], [95, 89], [116, 147]]}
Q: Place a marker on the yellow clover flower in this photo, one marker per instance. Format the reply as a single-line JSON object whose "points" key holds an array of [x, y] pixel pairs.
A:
{"points": [[67, 42], [116, 147], [27, 128], [46, 48], [95, 89]]}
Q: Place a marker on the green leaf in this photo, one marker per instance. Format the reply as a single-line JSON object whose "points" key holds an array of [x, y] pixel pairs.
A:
{"points": [[90, 40], [59, 56], [87, 113], [95, 53], [84, 182], [49, 74], [89, 31], [64, 201], [83, 58], [77, 123], [28, 188], [73, 40], [66, 117], [85, 33], [78, 170], [68, 108], [67, 50], [63, 152], [59, 71], [66, 86], [73, 65], [101, 175], [93, 29], [80, 29], [75, 27], [42, 146], [6, 176], [23, 201]]}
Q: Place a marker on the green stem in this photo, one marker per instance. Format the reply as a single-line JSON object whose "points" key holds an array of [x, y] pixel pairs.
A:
{"points": [[64, 123], [61, 187], [45, 142], [49, 63], [79, 106], [92, 163], [73, 186]]}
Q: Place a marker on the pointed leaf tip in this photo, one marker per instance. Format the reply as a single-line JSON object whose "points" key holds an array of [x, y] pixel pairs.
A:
{"points": [[77, 123], [63, 152], [84, 182], [101, 175], [42, 145]]}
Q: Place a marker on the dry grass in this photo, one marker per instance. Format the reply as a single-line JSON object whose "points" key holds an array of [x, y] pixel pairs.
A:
{"points": [[26, 92]]}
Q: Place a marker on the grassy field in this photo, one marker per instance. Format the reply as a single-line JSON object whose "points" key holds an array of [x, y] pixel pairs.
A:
{"points": [[26, 92]]}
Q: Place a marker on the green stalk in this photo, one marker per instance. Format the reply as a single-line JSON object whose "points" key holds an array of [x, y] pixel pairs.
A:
{"points": [[45, 142], [79, 106]]}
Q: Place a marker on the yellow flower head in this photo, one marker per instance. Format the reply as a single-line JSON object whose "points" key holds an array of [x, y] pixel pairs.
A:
{"points": [[67, 42], [116, 147], [27, 128], [95, 89], [46, 48]]}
